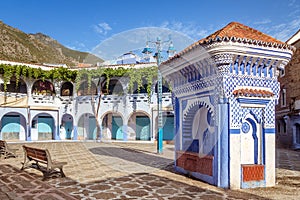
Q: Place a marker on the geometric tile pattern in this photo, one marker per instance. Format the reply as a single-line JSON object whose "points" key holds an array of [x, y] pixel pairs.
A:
{"points": [[236, 112], [192, 162], [253, 172]]}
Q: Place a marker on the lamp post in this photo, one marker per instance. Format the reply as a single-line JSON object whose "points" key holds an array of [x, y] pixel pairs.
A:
{"points": [[159, 99], [158, 57]]}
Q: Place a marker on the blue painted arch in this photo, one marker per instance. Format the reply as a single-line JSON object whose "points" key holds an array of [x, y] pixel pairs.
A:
{"points": [[12, 124], [255, 138]]}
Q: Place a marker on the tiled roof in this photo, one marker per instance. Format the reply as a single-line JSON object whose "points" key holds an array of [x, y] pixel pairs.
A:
{"points": [[237, 32], [245, 92]]}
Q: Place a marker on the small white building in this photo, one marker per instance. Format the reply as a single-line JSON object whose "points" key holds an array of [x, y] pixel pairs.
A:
{"points": [[225, 89]]}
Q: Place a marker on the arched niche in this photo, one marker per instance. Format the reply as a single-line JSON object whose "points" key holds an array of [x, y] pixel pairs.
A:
{"points": [[14, 87], [66, 89], [84, 90], [41, 87]]}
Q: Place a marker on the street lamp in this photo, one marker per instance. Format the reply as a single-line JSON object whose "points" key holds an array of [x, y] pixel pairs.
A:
{"points": [[158, 57]]}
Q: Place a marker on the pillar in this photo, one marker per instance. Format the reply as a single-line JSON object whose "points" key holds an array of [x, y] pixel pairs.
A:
{"points": [[223, 144]]}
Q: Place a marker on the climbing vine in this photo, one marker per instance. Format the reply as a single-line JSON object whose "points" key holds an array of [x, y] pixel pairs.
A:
{"points": [[135, 75], [23, 71]]}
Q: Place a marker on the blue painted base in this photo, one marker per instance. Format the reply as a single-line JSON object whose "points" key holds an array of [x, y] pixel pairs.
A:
{"points": [[203, 177], [253, 184]]}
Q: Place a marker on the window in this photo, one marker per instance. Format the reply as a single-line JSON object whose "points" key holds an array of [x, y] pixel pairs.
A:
{"points": [[297, 133], [278, 127], [284, 127], [283, 97]]}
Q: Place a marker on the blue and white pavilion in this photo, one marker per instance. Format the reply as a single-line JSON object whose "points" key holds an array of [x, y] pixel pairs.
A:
{"points": [[224, 91]]}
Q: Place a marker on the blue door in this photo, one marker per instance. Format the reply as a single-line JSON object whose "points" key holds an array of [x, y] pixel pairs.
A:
{"points": [[92, 128], [45, 128], [168, 129], [142, 128], [117, 124], [10, 127], [68, 128]]}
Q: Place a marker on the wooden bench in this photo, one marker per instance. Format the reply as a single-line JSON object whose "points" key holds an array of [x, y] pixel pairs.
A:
{"points": [[40, 159], [6, 151]]}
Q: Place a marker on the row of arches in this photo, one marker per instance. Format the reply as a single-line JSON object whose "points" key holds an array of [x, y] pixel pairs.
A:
{"points": [[44, 126], [45, 87], [138, 126], [14, 127]]}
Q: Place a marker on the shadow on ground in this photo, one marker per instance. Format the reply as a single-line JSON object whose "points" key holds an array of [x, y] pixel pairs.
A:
{"points": [[133, 155], [20, 184]]}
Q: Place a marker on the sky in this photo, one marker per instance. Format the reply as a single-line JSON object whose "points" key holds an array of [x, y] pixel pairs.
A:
{"points": [[86, 24]]}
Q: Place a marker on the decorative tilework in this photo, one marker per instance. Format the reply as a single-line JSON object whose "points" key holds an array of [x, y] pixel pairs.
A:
{"points": [[237, 112], [253, 172], [269, 115], [241, 60], [245, 127]]}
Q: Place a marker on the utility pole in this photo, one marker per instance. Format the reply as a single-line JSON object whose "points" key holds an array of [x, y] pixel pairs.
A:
{"points": [[158, 57], [159, 100]]}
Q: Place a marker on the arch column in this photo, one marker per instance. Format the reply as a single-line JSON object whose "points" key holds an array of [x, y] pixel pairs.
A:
{"points": [[222, 156]]}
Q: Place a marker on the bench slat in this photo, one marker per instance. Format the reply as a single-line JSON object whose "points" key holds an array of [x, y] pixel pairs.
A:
{"points": [[42, 156]]}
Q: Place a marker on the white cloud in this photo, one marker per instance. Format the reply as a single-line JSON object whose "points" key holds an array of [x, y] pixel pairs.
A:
{"points": [[102, 28], [295, 8], [292, 3], [190, 29], [78, 46], [264, 21], [281, 31], [286, 31]]}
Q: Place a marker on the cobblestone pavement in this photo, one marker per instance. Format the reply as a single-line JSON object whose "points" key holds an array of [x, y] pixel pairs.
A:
{"points": [[129, 171]]}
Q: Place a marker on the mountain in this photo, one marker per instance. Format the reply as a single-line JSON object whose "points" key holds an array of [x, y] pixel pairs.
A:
{"points": [[16, 45]]}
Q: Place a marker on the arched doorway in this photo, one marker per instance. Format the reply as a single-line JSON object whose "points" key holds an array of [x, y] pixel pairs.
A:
{"points": [[13, 127], [66, 127], [43, 126], [168, 126], [15, 87], [112, 124], [43, 88], [139, 122], [66, 89], [115, 87], [87, 128], [84, 91], [141, 90]]}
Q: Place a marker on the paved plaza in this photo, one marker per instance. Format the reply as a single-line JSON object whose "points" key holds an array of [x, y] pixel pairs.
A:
{"points": [[129, 171]]}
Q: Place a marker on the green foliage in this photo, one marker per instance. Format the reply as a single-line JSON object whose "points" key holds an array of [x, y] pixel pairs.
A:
{"points": [[135, 75], [7, 74], [23, 71], [18, 74]]}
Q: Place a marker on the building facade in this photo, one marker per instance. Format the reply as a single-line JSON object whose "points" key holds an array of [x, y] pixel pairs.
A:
{"points": [[225, 89], [288, 108], [45, 110]]}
